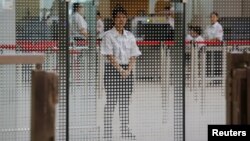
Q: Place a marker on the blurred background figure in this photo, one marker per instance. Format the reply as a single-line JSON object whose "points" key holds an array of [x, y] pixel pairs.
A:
{"points": [[214, 32], [79, 25], [100, 25], [194, 34], [169, 13], [159, 16]]}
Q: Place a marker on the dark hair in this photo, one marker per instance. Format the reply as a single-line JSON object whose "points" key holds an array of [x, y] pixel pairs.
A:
{"points": [[214, 13], [167, 8], [118, 10], [76, 6], [98, 13], [196, 29]]}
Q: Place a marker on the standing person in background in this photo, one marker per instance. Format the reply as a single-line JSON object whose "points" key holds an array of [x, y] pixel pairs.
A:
{"points": [[214, 32], [169, 12], [79, 25], [119, 47], [100, 25]]}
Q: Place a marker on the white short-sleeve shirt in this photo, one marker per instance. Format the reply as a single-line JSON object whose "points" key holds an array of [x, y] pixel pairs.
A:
{"points": [[170, 21], [77, 24], [214, 31], [123, 47]]}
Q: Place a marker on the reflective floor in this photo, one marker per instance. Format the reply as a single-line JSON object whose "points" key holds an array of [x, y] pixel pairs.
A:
{"points": [[151, 111]]}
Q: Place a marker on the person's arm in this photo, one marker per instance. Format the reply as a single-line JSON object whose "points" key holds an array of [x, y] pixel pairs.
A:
{"points": [[107, 50], [219, 33], [206, 36], [82, 25], [132, 61], [135, 52], [83, 32]]}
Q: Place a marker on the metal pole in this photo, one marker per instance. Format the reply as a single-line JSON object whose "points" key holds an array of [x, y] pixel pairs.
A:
{"points": [[184, 65], [179, 51], [67, 67]]}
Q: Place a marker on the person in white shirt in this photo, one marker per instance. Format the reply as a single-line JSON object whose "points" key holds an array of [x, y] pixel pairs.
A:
{"points": [[100, 25], [195, 35], [120, 49], [169, 12], [79, 26], [214, 32]]}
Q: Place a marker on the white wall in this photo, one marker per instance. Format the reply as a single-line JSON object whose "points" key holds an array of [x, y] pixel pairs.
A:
{"points": [[228, 8], [7, 22]]}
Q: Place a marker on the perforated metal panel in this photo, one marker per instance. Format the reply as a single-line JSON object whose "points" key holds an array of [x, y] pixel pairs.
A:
{"points": [[33, 27], [178, 82], [206, 60]]}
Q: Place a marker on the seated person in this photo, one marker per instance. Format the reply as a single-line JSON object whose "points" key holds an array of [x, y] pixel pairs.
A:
{"points": [[195, 35]]}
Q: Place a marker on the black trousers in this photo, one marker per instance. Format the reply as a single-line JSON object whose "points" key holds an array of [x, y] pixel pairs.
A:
{"points": [[118, 90]]}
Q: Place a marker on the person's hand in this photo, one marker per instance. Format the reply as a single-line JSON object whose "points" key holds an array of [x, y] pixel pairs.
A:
{"points": [[125, 74], [215, 40]]}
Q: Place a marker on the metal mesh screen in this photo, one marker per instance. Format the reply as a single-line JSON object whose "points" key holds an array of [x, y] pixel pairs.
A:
{"points": [[32, 27], [8, 102], [215, 29], [81, 112], [151, 70], [205, 71], [83, 80]]}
